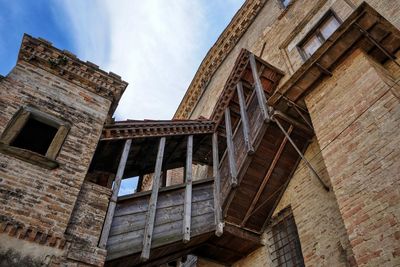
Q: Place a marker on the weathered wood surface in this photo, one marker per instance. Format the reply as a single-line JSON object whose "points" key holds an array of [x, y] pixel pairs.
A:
{"points": [[127, 230], [187, 207], [114, 196], [245, 119], [242, 157], [151, 215], [231, 149], [217, 187]]}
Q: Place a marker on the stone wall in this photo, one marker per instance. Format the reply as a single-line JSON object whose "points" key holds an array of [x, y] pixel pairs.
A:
{"points": [[356, 117], [31, 194], [37, 203], [320, 227]]}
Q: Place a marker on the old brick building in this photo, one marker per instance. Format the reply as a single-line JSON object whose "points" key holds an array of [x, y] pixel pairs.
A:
{"points": [[285, 150]]}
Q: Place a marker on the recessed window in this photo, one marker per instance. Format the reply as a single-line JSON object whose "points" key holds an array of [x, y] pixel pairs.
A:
{"points": [[285, 3], [284, 241], [319, 35], [34, 136]]}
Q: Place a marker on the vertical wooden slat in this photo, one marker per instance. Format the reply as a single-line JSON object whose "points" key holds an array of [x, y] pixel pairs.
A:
{"points": [[219, 226], [117, 184], [187, 208], [231, 148], [245, 119], [262, 102], [151, 215]]}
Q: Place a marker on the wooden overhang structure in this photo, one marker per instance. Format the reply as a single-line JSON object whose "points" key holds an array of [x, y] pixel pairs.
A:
{"points": [[365, 28], [254, 142], [258, 157], [156, 221]]}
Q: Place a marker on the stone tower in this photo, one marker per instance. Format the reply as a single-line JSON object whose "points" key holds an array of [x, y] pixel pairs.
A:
{"points": [[52, 110]]}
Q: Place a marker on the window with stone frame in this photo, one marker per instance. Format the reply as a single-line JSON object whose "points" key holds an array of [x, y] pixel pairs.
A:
{"points": [[319, 34], [34, 136], [283, 241]]}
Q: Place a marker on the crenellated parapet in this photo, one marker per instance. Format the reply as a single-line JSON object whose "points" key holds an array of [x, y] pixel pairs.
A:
{"points": [[40, 52]]}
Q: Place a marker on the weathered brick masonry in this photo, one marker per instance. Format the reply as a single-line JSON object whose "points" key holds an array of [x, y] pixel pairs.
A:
{"points": [[36, 203], [54, 216], [358, 130]]}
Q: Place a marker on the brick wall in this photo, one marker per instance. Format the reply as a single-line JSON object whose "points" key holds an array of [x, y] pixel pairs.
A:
{"points": [[320, 227], [357, 119], [38, 202]]}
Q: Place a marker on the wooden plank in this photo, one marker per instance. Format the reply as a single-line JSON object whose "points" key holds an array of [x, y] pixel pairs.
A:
{"points": [[230, 148], [148, 231], [219, 226], [262, 102], [15, 126], [117, 184], [134, 222], [266, 178], [164, 234], [166, 199], [187, 206], [310, 167], [58, 141], [245, 119]]}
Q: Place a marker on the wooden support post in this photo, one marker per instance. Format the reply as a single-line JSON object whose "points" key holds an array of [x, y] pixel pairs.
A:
{"points": [[151, 213], [219, 226], [301, 155], [231, 148], [262, 102], [117, 184], [376, 43], [245, 119], [187, 207]]}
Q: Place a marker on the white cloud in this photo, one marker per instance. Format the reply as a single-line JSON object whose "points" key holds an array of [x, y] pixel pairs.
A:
{"points": [[154, 45]]}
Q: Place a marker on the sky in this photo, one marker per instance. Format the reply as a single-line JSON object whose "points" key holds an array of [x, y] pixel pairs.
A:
{"points": [[155, 45]]}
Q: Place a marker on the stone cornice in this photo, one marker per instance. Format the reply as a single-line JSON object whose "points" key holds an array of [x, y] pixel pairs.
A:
{"points": [[66, 65], [149, 128], [216, 55]]}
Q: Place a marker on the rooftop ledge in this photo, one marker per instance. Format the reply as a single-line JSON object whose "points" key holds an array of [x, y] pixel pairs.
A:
{"points": [[64, 64], [365, 28]]}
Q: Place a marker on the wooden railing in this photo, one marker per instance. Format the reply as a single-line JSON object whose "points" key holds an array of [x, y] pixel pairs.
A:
{"points": [[129, 221]]}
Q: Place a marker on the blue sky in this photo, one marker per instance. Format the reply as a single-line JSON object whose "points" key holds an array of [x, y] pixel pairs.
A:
{"points": [[155, 45]]}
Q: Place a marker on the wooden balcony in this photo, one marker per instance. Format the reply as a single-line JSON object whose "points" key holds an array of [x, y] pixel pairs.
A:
{"points": [[125, 241]]}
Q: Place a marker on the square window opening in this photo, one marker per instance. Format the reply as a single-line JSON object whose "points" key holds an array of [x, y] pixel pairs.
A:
{"points": [[35, 136]]}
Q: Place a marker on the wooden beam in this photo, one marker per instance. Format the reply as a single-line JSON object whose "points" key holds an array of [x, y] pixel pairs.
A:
{"points": [[219, 226], [117, 184], [187, 207], [266, 178], [231, 148], [311, 168], [245, 119], [376, 43], [243, 234], [262, 102], [139, 184], [151, 215]]}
